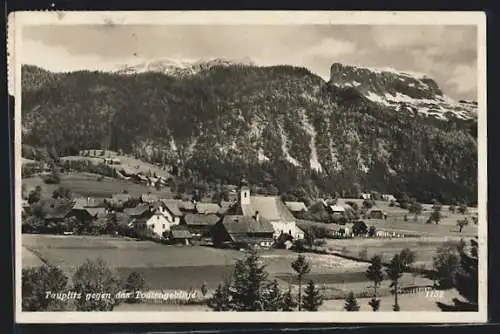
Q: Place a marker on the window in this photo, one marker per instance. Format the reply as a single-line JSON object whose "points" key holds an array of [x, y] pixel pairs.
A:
{"points": [[245, 195], [163, 226], [153, 226], [157, 217]]}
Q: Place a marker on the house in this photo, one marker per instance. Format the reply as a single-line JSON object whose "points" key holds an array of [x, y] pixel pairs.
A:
{"points": [[57, 210], [169, 210], [180, 234], [119, 199], [295, 207], [289, 228], [388, 198], [336, 209], [365, 196], [140, 211], [207, 208], [157, 222], [200, 224], [243, 231], [186, 206], [376, 214], [149, 198], [270, 208]]}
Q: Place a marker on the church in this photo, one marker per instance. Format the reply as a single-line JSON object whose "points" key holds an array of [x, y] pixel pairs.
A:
{"points": [[269, 208]]}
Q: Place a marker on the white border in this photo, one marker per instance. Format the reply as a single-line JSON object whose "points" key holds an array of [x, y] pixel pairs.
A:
{"points": [[16, 22]]}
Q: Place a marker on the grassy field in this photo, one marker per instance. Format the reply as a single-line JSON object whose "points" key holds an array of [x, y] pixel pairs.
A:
{"points": [[87, 184], [424, 247], [127, 162], [172, 266]]}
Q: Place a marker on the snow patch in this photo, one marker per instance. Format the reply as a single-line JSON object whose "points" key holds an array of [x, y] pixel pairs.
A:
{"points": [[287, 155], [313, 161], [261, 156]]}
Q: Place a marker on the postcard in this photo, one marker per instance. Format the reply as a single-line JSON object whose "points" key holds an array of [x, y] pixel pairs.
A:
{"points": [[280, 166]]}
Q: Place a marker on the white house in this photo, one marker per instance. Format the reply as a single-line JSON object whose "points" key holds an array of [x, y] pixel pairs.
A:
{"points": [[337, 209], [289, 227], [159, 223]]}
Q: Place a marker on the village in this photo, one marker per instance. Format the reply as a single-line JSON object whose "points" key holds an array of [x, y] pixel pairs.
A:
{"points": [[181, 242]]}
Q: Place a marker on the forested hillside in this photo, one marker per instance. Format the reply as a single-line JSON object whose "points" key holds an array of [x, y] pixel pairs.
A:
{"points": [[279, 125]]}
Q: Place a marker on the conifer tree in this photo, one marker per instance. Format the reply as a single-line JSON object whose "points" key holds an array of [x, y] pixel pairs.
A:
{"points": [[374, 273], [250, 279], [351, 304], [312, 298], [302, 267], [221, 300], [272, 297], [288, 302], [466, 281], [394, 273]]}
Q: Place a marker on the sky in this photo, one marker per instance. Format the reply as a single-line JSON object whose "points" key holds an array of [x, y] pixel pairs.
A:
{"points": [[448, 54]]}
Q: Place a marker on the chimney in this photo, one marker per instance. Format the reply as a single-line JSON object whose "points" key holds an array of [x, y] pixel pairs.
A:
{"points": [[257, 216]]}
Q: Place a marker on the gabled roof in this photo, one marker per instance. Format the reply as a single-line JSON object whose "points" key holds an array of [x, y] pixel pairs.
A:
{"points": [[185, 205], [207, 208], [180, 232], [140, 209], [201, 219], [296, 206], [172, 206], [96, 211], [55, 208], [245, 224], [269, 207]]}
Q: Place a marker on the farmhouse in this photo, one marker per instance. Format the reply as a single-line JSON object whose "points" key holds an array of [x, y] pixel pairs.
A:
{"points": [[159, 223], [243, 231], [169, 210], [376, 214], [119, 199], [295, 207], [336, 209], [200, 224], [186, 206], [179, 234], [57, 210], [142, 210]]}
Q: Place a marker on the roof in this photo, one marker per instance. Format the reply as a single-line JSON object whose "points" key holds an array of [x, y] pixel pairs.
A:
{"points": [[225, 206], [201, 219], [96, 211], [138, 210], [121, 197], [179, 232], [337, 208], [185, 205], [55, 208], [88, 202], [269, 207], [245, 224], [171, 206], [296, 206], [207, 208], [149, 198]]}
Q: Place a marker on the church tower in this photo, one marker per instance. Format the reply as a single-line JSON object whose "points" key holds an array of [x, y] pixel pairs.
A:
{"points": [[244, 198]]}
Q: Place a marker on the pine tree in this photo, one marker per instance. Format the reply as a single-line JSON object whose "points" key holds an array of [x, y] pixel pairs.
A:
{"points": [[374, 273], [288, 302], [273, 298], [312, 298], [466, 281], [250, 279], [134, 283], [351, 304], [302, 267], [394, 273], [221, 300]]}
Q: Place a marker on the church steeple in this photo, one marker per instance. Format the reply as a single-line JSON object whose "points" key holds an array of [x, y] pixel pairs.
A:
{"points": [[244, 197]]}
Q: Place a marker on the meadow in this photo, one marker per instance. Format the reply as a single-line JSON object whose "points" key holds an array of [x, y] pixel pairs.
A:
{"points": [[87, 184]]}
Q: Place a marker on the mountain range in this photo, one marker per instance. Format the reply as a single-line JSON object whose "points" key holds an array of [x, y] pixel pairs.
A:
{"points": [[363, 129]]}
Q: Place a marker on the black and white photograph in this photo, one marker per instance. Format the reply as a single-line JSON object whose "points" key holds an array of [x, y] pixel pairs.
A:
{"points": [[176, 166]]}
